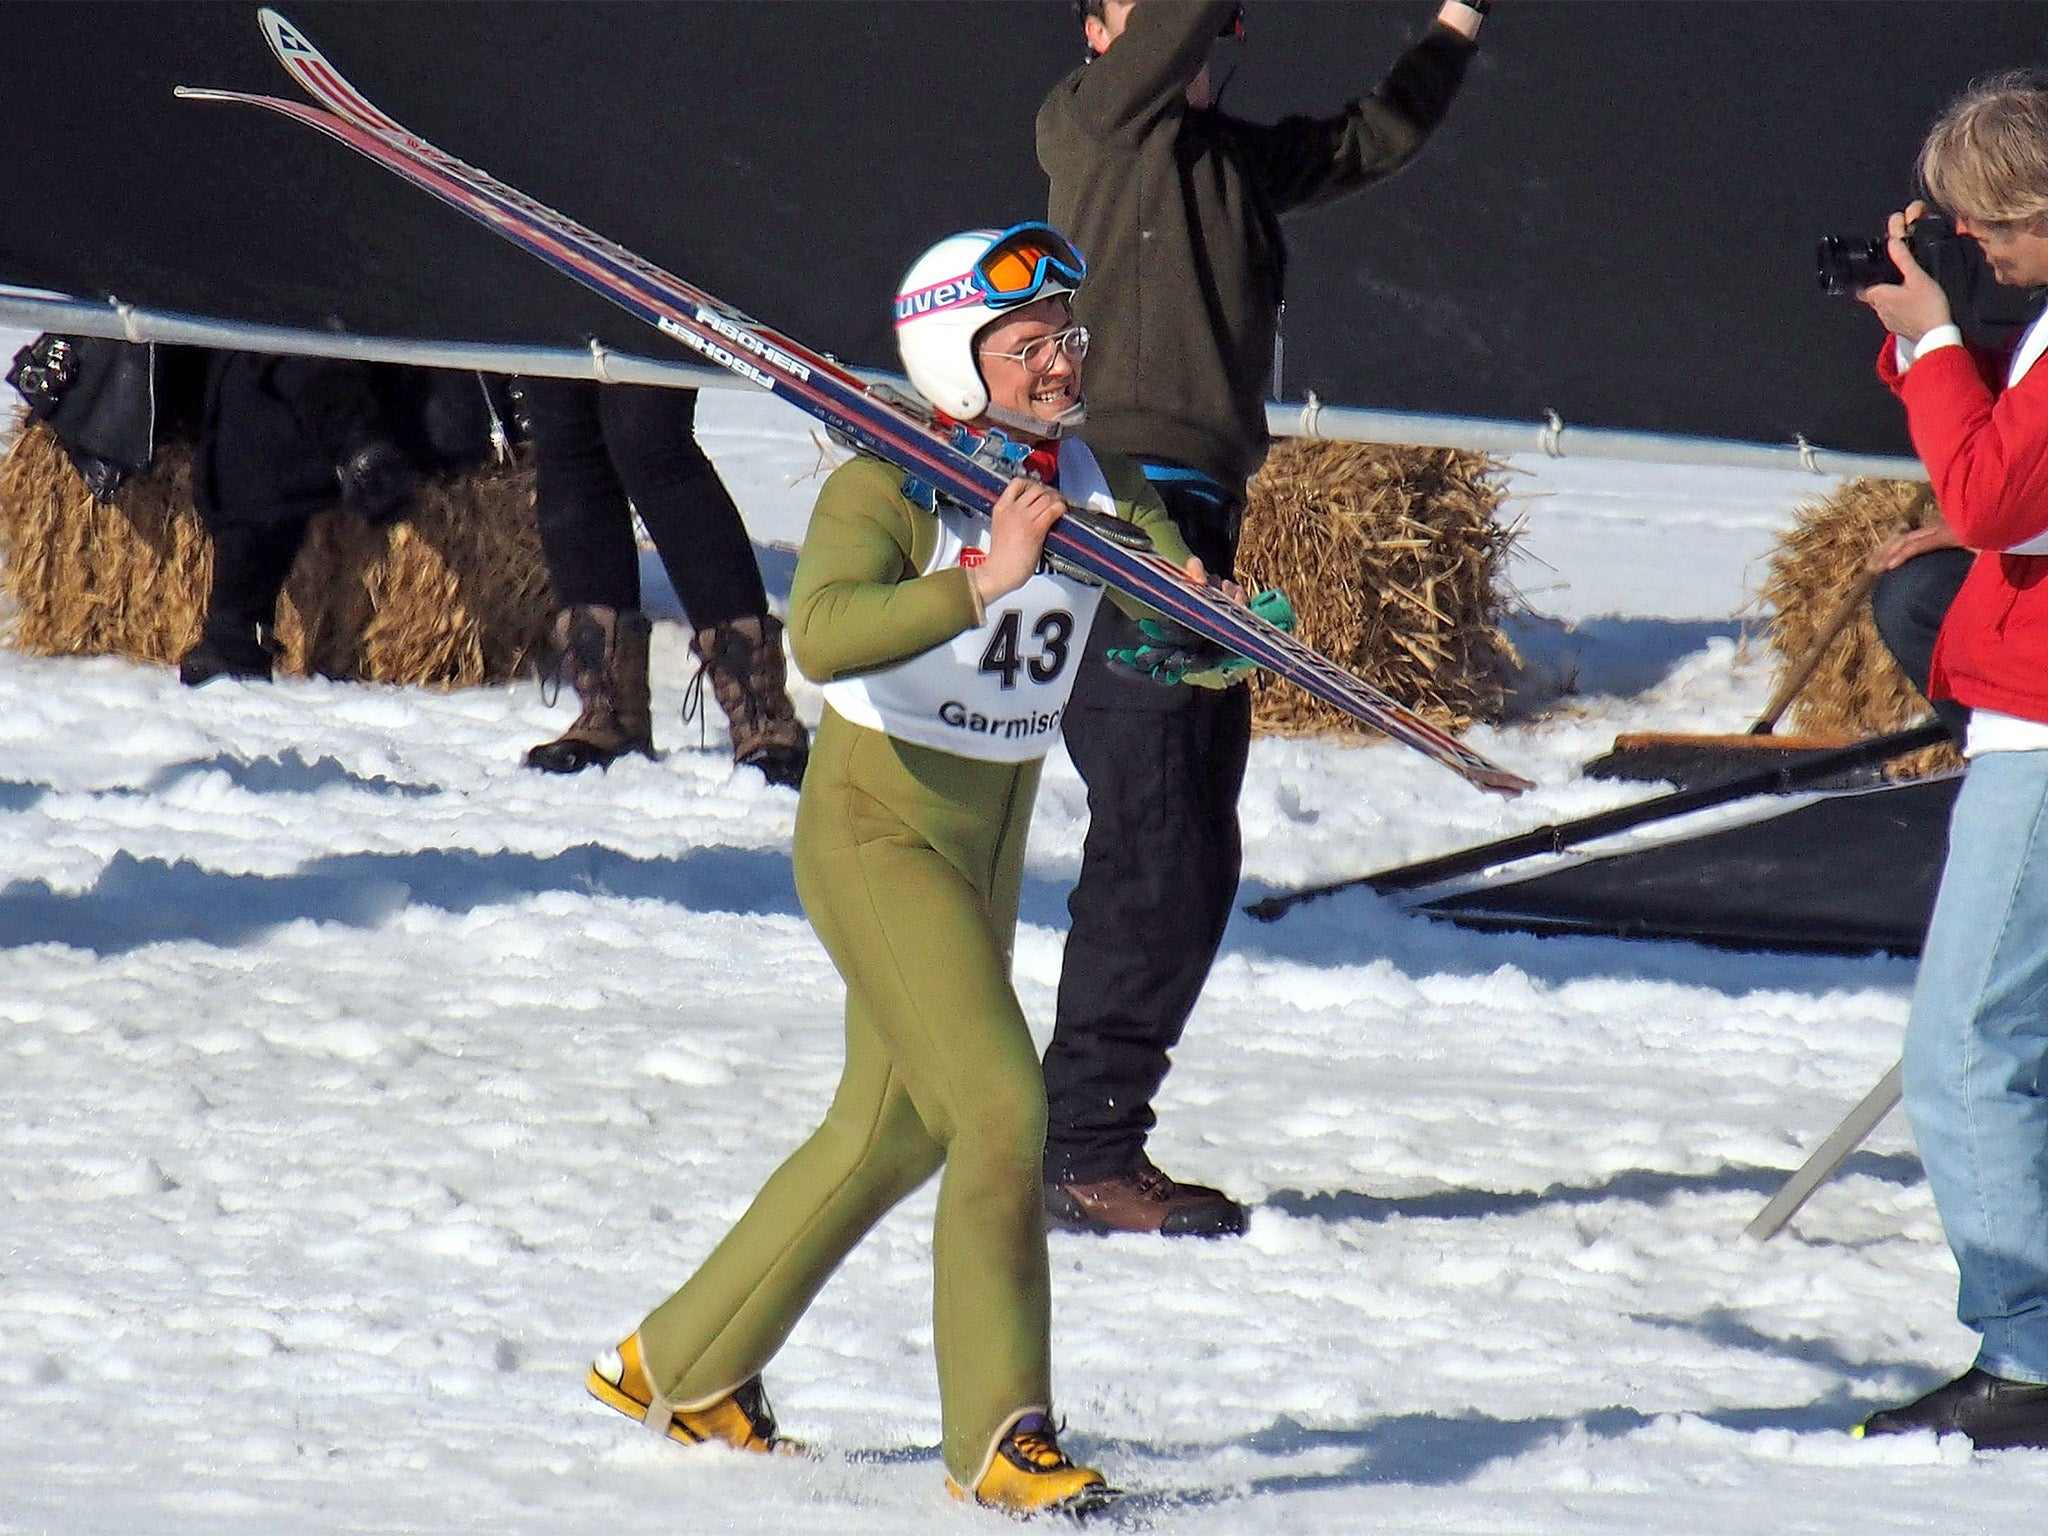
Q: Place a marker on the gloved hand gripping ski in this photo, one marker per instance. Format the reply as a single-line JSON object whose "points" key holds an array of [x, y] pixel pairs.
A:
{"points": [[1173, 654]]}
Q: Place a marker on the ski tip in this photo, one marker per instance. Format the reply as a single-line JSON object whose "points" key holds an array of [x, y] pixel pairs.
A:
{"points": [[286, 41], [1502, 783]]}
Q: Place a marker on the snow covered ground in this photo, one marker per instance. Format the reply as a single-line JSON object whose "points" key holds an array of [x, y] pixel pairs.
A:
{"points": [[360, 1085]]}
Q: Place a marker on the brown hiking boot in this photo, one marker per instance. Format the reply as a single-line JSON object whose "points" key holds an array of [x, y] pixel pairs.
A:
{"points": [[743, 660], [603, 653], [1143, 1200]]}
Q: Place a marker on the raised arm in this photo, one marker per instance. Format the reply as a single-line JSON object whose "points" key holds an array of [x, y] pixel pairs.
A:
{"points": [[1162, 48], [1302, 161], [1987, 456], [1986, 450]]}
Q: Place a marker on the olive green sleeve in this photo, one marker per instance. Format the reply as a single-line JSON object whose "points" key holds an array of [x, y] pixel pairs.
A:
{"points": [[858, 603], [1137, 501]]}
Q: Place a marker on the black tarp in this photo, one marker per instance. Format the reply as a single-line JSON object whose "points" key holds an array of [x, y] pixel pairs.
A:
{"points": [[1854, 871], [1617, 222]]}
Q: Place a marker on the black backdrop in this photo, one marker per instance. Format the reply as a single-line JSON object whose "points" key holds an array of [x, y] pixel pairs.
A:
{"points": [[1617, 222]]}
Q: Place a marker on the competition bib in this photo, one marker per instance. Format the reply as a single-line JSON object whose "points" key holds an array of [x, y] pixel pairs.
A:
{"points": [[998, 692]]}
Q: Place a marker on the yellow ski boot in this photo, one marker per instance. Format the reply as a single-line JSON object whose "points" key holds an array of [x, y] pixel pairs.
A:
{"points": [[1027, 1474], [741, 1418]]}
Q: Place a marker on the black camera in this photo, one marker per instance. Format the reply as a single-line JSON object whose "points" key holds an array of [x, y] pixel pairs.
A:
{"points": [[1847, 265], [1987, 312]]}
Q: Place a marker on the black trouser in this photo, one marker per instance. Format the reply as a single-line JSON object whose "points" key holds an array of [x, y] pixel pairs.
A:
{"points": [[1908, 605], [252, 559], [1158, 877], [595, 446], [271, 431]]}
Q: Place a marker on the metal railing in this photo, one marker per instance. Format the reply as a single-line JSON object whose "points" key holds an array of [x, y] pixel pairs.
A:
{"points": [[32, 310]]}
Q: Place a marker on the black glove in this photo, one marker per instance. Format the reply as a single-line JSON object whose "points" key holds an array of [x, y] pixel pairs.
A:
{"points": [[378, 482], [102, 477]]}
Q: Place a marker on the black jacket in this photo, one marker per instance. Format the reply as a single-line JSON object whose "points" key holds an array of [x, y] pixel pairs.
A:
{"points": [[275, 429], [1177, 212]]}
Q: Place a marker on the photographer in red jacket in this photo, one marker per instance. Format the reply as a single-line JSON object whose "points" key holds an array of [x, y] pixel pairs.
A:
{"points": [[1976, 1062]]}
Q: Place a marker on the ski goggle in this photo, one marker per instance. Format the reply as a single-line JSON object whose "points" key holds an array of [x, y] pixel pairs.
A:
{"points": [[1016, 268]]}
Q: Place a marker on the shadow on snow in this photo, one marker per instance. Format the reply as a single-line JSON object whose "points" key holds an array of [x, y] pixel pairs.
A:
{"points": [[1638, 1185], [1359, 928], [147, 901], [142, 901], [1608, 657], [286, 773]]}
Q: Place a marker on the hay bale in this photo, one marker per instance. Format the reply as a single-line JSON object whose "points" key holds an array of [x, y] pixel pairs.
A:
{"points": [[1393, 558], [90, 580], [1857, 689], [456, 596]]}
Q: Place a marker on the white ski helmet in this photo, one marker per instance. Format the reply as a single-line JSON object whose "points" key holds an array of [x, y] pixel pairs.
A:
{"points": [[962, 285]]}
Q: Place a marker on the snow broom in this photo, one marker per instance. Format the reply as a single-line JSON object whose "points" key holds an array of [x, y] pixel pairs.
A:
{"points": [[1696, 762]]}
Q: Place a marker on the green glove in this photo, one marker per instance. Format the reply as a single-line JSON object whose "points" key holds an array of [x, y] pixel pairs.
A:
{"points": [[1173, 654]]}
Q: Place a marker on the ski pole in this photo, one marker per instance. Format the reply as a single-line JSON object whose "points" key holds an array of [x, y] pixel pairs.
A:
{"points": [[1855, 1128], [1831, 627]]}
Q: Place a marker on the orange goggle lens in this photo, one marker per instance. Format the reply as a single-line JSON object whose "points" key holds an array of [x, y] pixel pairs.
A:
{"points": [[1016, 268]]}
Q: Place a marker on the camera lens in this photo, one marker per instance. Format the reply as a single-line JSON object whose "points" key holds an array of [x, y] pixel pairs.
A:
{"points": [[1847, 266]]}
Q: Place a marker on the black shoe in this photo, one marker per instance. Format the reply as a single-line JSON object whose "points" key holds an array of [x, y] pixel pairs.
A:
{"points": [[1993, 1412], [569, 754], [242, 651], [1143, 1200], [782, 766]]}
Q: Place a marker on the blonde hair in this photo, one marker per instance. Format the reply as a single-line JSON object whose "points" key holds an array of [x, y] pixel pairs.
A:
{"points": [[1986, 157]]}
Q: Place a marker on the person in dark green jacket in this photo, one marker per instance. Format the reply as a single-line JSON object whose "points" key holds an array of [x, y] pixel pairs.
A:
{"points": [[946, 653], [1177, 207]]}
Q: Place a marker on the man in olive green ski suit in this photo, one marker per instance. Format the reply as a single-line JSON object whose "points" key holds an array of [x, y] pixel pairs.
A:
{"points": [[946, 662]]}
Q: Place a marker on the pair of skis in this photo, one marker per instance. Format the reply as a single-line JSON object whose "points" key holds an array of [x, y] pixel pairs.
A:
{"points": [[826, 390]]}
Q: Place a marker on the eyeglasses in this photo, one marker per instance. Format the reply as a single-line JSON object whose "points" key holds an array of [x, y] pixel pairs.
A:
{"points": [[1014, 270], [1036, 355]]}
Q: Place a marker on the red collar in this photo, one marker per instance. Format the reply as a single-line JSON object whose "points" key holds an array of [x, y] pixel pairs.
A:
{"points": [[1043, 463]]}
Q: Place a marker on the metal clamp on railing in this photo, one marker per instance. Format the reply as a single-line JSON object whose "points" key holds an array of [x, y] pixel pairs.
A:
{"points": [[131, 321]]}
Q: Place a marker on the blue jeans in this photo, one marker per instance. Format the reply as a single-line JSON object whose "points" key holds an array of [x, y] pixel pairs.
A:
{"points": [[1976, 1050]]}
